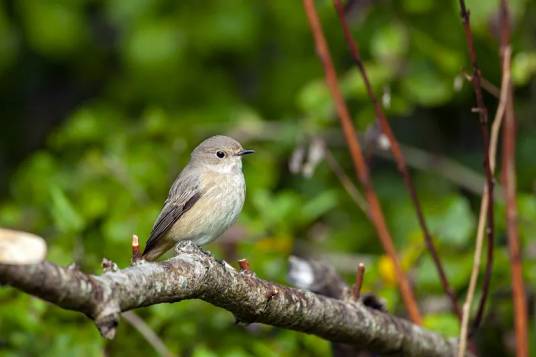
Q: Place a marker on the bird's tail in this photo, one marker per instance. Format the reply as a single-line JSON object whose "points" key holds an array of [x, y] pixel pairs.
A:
{"points": [[154, 251]]}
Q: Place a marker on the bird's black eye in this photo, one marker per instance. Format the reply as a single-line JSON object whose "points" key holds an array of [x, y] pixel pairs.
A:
{"points": [[220, 154]]}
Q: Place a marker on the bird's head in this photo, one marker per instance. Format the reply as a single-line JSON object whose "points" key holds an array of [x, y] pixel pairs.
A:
{"points": [[219, 153]]}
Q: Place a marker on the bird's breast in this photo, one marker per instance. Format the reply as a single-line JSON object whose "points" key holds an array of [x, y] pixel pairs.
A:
{"points": [[222, 198]]}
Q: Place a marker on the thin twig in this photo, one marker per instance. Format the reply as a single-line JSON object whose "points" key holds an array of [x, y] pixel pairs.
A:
{"points": [[474, 273], [486, 85], [399, 158], [147, 333], [345, 181], [483, 115], [359, 275], [509, 183], [375, 211], [497, 121]]}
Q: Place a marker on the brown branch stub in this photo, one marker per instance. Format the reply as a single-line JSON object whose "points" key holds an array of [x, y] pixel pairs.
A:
{"points": [[359, 275], [375, 211], [136, 253], [483, 116], [196, 275], [244, 265]]}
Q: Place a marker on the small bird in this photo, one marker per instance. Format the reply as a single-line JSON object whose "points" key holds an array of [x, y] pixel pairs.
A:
{"points": [[204, 200]]}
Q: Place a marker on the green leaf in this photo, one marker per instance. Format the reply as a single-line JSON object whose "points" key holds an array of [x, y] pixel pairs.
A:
{"points": [[523, 67], [155, 48], [314, 99], [425, 86], [66, 217], [447, 324], [451, 220], [317, 206], [9, 45], [54, 28], [390, 43]]}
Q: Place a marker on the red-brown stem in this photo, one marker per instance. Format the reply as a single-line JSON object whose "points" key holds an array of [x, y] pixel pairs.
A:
{"points": [[398, 156], [509, 183], [359, 275], [375, 211], [483, 115], [136, 253], [244, 265]]}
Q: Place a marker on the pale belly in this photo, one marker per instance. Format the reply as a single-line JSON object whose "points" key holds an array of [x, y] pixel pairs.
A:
{"points": [[216, 210]]}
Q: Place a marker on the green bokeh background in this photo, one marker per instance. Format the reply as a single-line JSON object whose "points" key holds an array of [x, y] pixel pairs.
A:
{"points": [[102, 101]]}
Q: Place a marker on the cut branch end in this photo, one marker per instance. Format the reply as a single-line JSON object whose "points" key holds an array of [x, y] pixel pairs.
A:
{"points": [[136, 253], [360, 274], [244, 265]]}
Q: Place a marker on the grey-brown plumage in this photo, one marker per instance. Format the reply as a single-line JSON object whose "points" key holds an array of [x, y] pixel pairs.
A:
{"points": [[204, 200]]}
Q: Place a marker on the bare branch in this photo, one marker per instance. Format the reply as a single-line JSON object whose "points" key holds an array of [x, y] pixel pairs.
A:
{"points": [[509, 183], [484, 204], [194, 274], [399, 158], [360, 166], [483, 115]]}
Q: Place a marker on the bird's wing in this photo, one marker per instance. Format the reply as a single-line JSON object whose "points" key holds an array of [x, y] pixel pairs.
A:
{"points": [[184, 193]]}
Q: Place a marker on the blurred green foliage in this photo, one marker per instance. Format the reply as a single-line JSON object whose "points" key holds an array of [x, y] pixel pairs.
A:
{"points": [[142, 82]]}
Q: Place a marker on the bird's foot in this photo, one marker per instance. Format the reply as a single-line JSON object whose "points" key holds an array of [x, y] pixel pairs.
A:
{"points": [[188, 247], [185, 247], [138, 262]]}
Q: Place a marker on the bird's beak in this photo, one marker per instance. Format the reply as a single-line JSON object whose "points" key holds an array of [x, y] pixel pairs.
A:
{"points": [[245, 152]]}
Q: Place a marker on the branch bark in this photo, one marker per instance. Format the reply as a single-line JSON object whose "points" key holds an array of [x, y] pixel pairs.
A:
{"points": [[194, 274]]}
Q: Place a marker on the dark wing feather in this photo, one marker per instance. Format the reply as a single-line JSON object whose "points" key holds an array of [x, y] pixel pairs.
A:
{"points": [[182, 196]]}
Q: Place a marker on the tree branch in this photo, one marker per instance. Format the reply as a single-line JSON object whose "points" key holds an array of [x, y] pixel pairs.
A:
{"points": [[483, 115], [375, 212], [483, 206], [509, 183], [398, 157], [194, 274]]}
